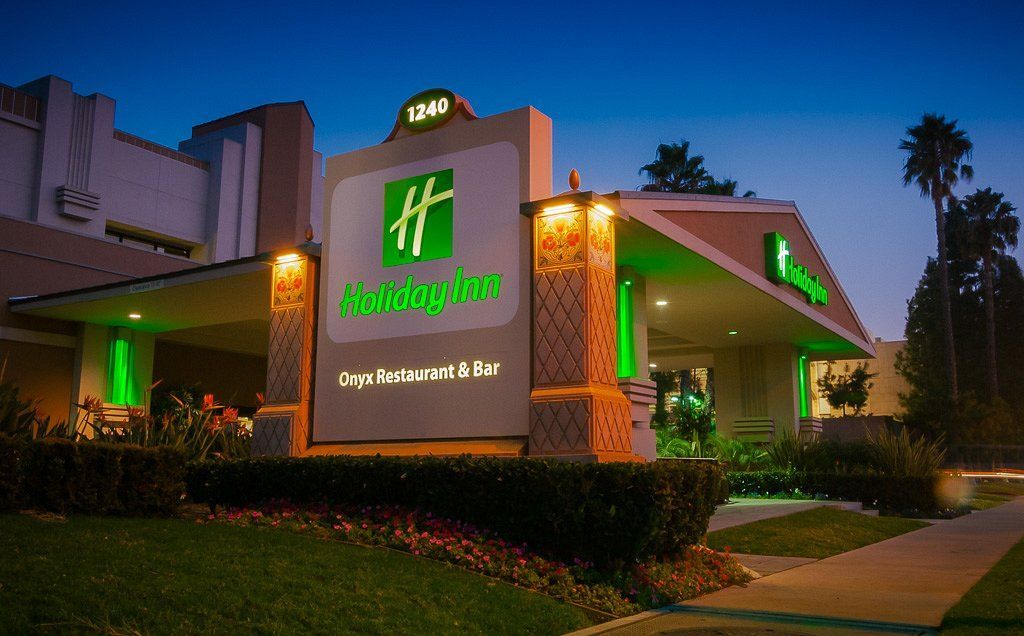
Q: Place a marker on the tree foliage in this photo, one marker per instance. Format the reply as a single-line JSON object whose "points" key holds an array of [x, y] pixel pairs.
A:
{"points": [[847, 389], [936, 154], [675, 170], [928, 405]]}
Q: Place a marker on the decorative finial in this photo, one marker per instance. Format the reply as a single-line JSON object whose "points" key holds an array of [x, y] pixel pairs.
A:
{"points": [[574, 179], [309, 233]]}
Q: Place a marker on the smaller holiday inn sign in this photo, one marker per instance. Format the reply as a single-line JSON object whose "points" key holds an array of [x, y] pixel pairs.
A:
{"points": [[781, 267]]}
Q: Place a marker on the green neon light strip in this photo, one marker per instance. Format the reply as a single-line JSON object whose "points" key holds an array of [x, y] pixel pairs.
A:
{"points": [[803, 386], [627, 354], [121, 387]]}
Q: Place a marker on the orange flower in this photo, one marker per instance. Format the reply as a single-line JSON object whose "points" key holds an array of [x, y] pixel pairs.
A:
{"points": [[208, 403], [230, 414], [92, 404]]}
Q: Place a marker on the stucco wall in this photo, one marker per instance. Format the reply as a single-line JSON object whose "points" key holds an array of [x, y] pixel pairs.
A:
{"points": [[150, 191], [17, 168], [741, 235], [233, 378], [42, 373]]}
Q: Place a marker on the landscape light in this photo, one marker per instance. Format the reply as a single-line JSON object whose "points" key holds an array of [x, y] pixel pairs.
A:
{"points": [[603, 209], [653, 366], [135, 315], [733, 332], [286, 258], [661, 303]]}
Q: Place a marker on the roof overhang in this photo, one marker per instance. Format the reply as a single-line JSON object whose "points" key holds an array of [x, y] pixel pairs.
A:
{"points": [[707, 293], [232, 291]]}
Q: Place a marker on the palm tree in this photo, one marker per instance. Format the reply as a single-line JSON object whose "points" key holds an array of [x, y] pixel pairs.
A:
{"points": [[991, 228], [936, 150], [725, 188], [673, 170]]}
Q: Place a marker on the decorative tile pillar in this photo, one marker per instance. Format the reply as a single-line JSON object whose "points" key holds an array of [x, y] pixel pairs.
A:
{"points": [[281, 425], [576, 408]]}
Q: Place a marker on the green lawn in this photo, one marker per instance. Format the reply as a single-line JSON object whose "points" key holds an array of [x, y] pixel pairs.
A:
{"points": [[818, 533], [995, 605], [125, 576], [992, 493]]}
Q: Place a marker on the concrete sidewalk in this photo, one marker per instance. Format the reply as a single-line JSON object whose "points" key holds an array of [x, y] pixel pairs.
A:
{"points": [[902, 585]]}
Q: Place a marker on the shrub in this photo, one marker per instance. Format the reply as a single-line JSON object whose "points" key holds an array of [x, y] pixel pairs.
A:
{"points": [[152, 480], [10, 456], [199, 428], [605, 513], [787, 451], [904, 456], [96, 477], [50, 474], [893, 494]]}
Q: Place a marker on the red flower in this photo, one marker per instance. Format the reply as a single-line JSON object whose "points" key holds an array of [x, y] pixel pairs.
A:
{"points": [[572, 239], [208, 402]]}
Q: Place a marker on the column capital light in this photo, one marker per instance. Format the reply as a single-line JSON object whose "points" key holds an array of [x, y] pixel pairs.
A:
{"points": [[572, 200]]}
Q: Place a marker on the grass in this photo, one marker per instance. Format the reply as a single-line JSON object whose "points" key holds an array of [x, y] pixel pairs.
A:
{"points": [[126, 576], [995, 605], [991, 493], [817, 533]]}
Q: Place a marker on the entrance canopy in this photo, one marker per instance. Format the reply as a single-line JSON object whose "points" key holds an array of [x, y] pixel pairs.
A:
{"points": [[702, 259], [191, 306]]}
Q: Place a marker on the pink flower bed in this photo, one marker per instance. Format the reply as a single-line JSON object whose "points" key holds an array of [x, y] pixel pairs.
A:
{"points": [[698, 570]]}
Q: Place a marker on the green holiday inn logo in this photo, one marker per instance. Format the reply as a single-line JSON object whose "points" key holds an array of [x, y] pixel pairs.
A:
{"points": [[418, 218], [418, 221], [782, 268]]}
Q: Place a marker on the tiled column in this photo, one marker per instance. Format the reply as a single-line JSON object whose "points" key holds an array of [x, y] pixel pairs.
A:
{"points": [[281, 426], [577, 410]]}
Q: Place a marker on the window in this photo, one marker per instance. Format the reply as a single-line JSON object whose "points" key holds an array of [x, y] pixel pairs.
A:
{"points": [[155, 244]]}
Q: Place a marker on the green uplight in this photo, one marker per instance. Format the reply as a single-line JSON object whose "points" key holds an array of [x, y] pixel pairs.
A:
{"points": [[802, 370], [121, 387], [624, 316]]}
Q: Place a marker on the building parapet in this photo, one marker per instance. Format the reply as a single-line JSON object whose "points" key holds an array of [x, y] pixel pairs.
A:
{"points": [[20, 104], [164, 151]]}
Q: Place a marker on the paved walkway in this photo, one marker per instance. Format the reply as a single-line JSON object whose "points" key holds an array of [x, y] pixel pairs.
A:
{"points": [[765, 565], [902, 585], [741, 511]]}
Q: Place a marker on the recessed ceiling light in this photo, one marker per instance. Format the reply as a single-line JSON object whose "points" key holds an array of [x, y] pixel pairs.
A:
{"points": [[733, 332], [135, 315], [653, 366], [661, 303]]}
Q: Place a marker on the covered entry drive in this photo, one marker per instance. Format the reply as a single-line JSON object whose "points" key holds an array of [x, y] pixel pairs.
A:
{"points": [[694, 270], [204, 329]]}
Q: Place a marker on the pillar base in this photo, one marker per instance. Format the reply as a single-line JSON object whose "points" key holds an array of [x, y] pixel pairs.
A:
{"points": [[280, 430], [580, 423]]}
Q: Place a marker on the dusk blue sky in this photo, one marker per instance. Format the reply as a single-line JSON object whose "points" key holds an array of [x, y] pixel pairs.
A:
{"points": [[793, 100]]}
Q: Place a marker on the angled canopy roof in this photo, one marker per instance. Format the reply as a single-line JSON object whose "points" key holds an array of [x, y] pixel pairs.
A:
{"points": [[704, 258]]}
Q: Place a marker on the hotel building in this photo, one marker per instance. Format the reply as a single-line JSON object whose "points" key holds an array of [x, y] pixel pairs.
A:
{"points": [[428, 294]]}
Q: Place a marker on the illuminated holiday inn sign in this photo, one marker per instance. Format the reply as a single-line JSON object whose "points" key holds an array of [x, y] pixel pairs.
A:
{"points": [[782, 268], [418, 221]]}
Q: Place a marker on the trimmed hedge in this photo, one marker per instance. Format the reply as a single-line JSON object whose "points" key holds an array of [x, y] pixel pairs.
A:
{"points": [[92, 477], [604, 513], [888, 494], [10, 479]]}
